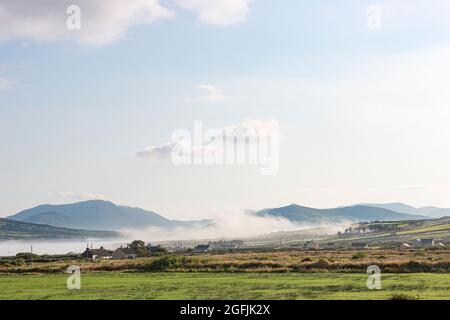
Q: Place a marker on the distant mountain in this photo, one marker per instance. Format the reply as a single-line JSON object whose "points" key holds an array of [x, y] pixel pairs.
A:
{"points": [[16, 230], [433, 212], [98, 215], [299, 214]]}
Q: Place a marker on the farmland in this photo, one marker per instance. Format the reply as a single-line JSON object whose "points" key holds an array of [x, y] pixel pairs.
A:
{"points": [[278, 271], [348, 261], [224, 286]]}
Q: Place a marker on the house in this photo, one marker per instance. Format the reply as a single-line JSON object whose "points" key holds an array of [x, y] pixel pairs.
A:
{"points": [[201, 248], [152, 249], [124, 253], [330, 245], [311, 245], [423, 243], [360, 245], [96, 254], [223, 245], [406, 245]]}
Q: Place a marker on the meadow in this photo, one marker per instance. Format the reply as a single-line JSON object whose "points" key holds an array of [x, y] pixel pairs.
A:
{"points": [[160, 286], [295, 274], [435, 260]]}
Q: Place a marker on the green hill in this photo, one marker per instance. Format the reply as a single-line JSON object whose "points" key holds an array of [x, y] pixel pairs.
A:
{"points": [[300, 214], [98, 215], [16, 230]]}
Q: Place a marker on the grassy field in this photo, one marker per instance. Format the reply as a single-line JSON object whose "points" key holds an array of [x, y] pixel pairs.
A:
{"points": [[118, 285], [433, 260]]}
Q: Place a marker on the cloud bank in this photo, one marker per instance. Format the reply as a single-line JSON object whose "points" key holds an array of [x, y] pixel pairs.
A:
{"points": [[229, 225], [103, 22]]}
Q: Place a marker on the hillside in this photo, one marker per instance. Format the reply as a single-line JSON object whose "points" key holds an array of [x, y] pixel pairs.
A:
{"points": [[430, 211], [306, 215], [384, 233], [15, 230], [98, 215]]}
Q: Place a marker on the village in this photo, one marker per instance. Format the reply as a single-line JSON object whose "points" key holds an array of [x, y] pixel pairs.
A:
{"points": [[138, 248]]}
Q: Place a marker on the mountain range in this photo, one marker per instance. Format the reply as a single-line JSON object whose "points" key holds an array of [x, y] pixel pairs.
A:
{"points": [[433, 212], [358, 213], [98, 215], [105, 215], [17, 230]]}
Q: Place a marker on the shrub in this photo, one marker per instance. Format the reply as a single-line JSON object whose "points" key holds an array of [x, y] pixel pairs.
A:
{"points": [[27, 256], [165, 263], [320, 264], [402, 296], [420, 253], [359, 255]]}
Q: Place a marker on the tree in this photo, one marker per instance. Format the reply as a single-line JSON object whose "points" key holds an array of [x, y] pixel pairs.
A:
{"points": [[138, 246]]}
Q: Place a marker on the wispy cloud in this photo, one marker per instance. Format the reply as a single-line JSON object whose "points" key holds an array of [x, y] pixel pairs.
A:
{"points": [[218, 12], [229, 224], [81, 195], [245, 129], [102, 22], [208, 93], [162, 151]]}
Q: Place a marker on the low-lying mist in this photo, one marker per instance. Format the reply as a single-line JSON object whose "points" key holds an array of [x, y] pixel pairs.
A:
{"points": [[235, 225]]}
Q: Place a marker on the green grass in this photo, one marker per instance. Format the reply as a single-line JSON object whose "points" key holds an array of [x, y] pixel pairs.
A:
{"points": [[426, 229], [116, 285]]}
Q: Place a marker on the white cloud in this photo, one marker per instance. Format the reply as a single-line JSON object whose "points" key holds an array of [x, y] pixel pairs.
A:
{"points": [[6, 84], [208, 93], [228, 225], [218, 12], [102, 22], [245, 129], [81, 195], [162, 151]]}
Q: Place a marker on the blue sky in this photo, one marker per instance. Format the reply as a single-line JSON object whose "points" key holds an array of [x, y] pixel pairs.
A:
{"points": [[363, 113]]}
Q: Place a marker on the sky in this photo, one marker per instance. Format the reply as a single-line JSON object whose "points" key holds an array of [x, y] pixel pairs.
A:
{"points": [[358, 90]]}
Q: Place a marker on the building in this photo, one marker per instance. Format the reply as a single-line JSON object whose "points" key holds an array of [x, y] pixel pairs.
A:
{"points": [[152, 249], [124, 253], [311, 245], [330, 245], [201, 248], [418, 243], [225, 245], [360, 245], [96, 254]]}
